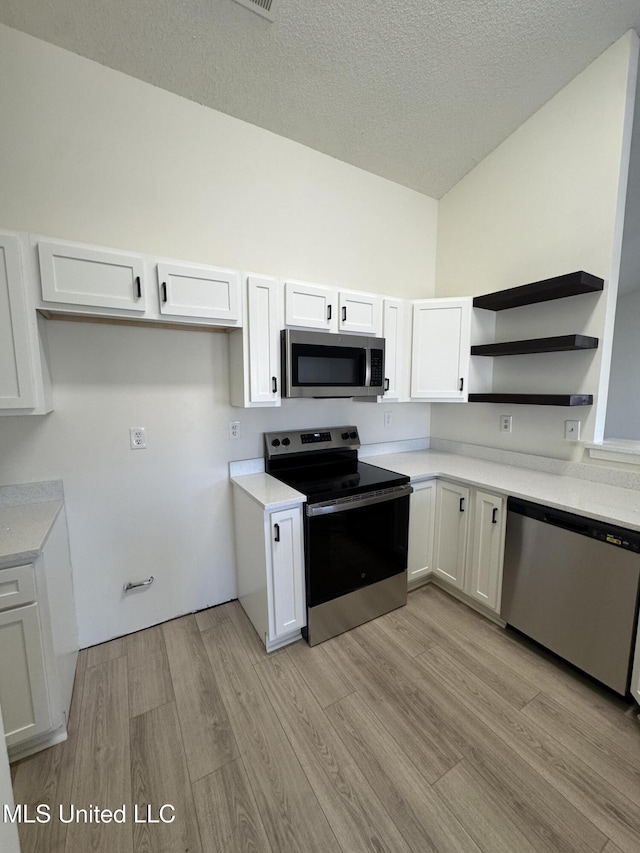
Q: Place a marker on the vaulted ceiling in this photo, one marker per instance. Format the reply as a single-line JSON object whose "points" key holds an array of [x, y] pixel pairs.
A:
{"points": [[417, 91]]}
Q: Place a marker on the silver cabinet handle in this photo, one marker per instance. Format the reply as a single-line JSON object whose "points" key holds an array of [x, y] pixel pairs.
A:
{"points": [[129, 586]]}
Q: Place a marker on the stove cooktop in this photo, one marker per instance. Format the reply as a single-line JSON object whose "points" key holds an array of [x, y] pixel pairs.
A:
{"points": [[323, 464]]}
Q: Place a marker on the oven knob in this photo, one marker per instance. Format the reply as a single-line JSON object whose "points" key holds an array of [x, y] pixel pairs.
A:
{"points": [[345, 436], [275, 442], [353, 435], [285, 442]]}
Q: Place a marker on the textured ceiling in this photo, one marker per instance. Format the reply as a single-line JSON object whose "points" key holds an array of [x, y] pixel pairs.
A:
{"points": [[417, 91]]}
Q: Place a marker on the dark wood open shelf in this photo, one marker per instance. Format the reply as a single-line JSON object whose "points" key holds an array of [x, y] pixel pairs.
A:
{"points": [[535, 399], [559, 343], [570, 284]]}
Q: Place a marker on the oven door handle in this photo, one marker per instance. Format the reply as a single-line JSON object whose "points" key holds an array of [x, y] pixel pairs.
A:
{"points": [[343, 504]]}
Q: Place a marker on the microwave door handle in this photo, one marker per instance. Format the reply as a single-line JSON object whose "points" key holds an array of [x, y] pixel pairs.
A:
{"points": [[367, 372]]}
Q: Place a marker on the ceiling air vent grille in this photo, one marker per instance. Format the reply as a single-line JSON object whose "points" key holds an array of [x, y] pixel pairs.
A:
{"points": [[265, 8]]}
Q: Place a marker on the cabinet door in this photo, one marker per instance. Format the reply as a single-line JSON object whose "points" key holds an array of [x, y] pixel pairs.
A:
{"points": [[286, 585], [484, 571], [397, 356], [16, 382], [452, 513], [441, 349], [360, 312], [23, 686], [192, 290], [422, 513], [78, 275], [263, 314], [311, 306]]}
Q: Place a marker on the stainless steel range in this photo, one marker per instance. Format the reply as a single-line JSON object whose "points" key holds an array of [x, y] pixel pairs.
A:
{"points": [[356, 527]]}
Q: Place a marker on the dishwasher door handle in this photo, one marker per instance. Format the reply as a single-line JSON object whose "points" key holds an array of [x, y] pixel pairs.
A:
{"points": [[573, 526]]}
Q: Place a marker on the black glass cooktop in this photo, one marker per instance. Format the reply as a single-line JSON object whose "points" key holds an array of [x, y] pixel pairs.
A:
{"points": [[337, 480]]}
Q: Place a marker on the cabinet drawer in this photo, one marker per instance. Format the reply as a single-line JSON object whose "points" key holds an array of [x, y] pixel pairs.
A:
{"points": [[17, 586]]}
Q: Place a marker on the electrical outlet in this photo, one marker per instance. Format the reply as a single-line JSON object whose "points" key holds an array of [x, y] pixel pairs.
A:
{"points": [[137, 438], [387, 419], [234, 430], [572, 430], [506, 423]]}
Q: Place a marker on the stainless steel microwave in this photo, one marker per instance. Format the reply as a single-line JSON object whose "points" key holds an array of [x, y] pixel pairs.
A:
{"points": [[319, 364]]}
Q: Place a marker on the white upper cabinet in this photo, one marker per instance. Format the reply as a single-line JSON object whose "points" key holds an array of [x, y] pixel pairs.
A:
{"points": [[254, 350], [360, 313], [310, 306], [396, 330], [25, 387], [72, 274], [195, 290], [16, 386], [441, 349]]}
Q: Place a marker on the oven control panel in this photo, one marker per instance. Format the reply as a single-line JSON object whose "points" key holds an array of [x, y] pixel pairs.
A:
{"points": [[307, 440]]}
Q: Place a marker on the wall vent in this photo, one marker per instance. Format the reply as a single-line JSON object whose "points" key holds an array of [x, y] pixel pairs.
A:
{"points": [[264, 8]]}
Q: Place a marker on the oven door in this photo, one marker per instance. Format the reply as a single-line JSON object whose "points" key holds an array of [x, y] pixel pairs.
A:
{"points": [[354, 542]]}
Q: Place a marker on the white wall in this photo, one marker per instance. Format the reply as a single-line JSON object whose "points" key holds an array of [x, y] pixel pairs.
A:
{"points": [[548, 201], [90, 154]]}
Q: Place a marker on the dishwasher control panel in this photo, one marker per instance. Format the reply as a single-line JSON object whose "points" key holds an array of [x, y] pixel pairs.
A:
{"points": [[620, 537]]}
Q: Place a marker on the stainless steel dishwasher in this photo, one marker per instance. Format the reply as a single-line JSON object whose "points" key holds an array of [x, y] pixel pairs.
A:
{"points": [[571, 584]]}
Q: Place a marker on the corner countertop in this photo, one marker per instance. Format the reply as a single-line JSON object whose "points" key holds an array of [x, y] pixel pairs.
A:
{"points": [[611, 504], [24, 530], [268, 492]]}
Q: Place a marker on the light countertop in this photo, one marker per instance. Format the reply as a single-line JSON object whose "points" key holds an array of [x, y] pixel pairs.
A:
{"points": [[24, 530], [268, 492], [611, 504]]}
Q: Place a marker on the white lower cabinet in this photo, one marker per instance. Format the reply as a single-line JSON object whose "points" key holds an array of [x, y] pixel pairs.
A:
{"points": [[270, 569], [452, 526], [286, 575], [23, 684], [468, 539], [422, 515], [38, 645], [484, 564]]}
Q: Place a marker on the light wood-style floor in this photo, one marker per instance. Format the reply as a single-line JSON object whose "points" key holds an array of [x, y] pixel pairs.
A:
{"points": [[429, 729]]}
